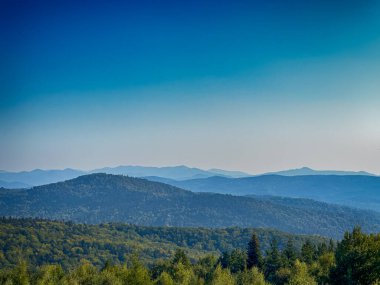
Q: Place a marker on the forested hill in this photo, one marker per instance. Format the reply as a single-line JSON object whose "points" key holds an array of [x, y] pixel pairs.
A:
{"points": [[100, 198], [67, 243], [358, 191]]}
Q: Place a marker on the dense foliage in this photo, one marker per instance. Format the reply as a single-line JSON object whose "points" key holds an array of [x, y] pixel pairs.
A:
{"points": [[101, 198], [354, 261], [41, 241]]}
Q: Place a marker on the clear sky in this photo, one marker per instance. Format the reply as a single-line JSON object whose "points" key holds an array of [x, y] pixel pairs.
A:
{"points": [[249, 85]]}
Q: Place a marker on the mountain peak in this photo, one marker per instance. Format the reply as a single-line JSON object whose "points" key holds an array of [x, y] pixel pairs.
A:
{"points": [[306, 168], [309, 171], [102, 182]]}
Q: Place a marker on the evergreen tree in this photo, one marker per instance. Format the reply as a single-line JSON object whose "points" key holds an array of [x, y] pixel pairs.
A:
{"points": [[322, 248], [234, 261], [272, 261], [289, 254], [331, 245], [308, 252], [159, 267], [224, 259], [180, 257], [254, 258]]}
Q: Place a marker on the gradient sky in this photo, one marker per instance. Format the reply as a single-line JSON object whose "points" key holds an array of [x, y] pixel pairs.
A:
{"points": [[250, 85]]}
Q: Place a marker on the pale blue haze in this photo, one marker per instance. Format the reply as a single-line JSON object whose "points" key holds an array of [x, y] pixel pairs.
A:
{"points": [[255, 86]]}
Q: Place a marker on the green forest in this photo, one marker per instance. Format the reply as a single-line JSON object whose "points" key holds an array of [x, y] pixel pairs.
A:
{"points": [[46, 254], [66, 243]]}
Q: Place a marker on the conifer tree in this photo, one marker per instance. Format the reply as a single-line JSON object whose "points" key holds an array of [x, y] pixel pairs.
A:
{"points": [[289, 254], [272, 262], [254, 258], [308, 252]]}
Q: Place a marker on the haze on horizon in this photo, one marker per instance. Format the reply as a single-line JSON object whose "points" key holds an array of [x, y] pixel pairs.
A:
{"points": [[255, 86]]}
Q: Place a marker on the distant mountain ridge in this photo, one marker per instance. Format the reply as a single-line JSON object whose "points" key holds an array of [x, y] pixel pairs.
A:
{"points": [[181, 172], [38, 177], [99, 198], [308, 171], [358, 191], [25, 179], [13, 185]]}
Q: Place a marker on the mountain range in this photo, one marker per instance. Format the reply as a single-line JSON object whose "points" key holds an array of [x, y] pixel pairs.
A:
{"points": [[26, 179], [99, 198], [358, 191]]}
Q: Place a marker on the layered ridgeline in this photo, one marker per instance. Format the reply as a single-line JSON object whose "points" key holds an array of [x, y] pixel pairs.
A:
{"points": [[44, 241], [27, 179], [359, 191], [100, 198]]}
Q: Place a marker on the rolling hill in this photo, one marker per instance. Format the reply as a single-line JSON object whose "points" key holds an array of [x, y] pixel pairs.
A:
{"points": [[100, 198], [358, 191]]}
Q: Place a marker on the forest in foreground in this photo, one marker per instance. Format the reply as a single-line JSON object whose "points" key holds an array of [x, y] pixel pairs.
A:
{"points": [[353, 260], [68, 244]]}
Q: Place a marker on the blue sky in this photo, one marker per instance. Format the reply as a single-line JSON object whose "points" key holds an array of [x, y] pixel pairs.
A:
{"points": [[250, 85]]}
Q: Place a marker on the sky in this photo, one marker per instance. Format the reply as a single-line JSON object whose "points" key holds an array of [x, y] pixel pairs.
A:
{"points": [[252, 85]]}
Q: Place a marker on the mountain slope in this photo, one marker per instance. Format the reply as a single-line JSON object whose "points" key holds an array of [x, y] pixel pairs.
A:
{"points": [[101, 198], [355, 191]]}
